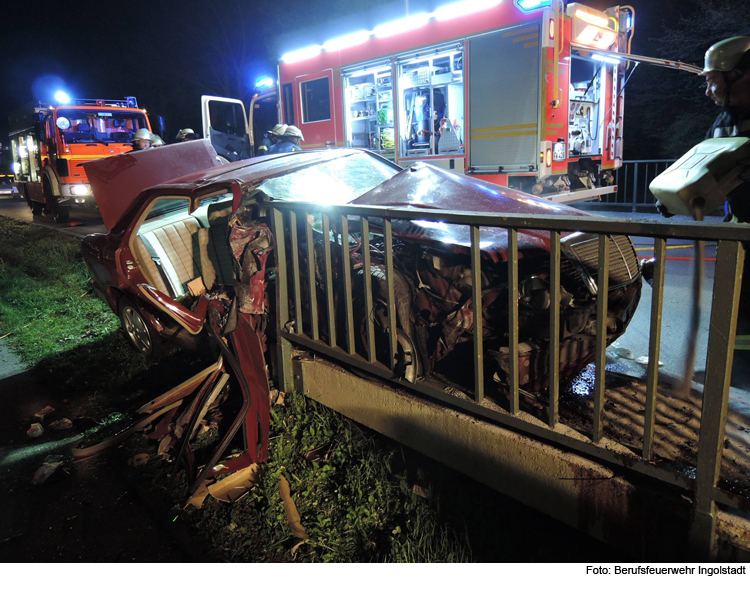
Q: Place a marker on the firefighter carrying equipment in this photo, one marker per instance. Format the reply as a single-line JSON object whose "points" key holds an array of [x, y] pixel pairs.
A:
{"points": [[702, 177], [725, 55]]}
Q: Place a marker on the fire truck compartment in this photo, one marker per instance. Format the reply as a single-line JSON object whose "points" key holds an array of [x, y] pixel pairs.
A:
{"points": [[586, 109]]}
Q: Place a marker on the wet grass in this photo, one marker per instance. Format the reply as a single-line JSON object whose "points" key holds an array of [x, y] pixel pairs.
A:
{"points": [[46, 306]]}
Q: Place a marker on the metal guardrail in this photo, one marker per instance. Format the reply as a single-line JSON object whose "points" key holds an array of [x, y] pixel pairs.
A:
{"points": [[632, 181], [293, 282]]}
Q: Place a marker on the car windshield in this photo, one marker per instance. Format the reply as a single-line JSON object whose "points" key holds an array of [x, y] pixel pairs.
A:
{"points": [[81, 126], [334, 182]]}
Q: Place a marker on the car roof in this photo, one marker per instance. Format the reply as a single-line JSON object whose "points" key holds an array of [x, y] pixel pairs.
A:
{"points": [[247, 171]]}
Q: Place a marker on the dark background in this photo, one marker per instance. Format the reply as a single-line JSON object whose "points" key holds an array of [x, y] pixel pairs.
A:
{"points": [[168, 53]]}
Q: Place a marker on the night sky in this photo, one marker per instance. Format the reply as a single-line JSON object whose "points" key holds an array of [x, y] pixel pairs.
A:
{"points": [[168, 53]]}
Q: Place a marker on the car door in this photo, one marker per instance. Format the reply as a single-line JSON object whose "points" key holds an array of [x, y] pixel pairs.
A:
{"points": [[225, 125]]}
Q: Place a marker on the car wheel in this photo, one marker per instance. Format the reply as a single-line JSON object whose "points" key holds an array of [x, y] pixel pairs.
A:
{"points": [[62, 214], [137, 330]]}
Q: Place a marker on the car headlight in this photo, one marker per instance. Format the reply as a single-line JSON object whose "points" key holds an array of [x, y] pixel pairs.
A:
{"points": [[80, 190]]}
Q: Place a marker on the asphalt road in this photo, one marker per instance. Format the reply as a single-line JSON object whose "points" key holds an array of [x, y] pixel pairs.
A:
{"points": [[677, 293], [83, 221]]}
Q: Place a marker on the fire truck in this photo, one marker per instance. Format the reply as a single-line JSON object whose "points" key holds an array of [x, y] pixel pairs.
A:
{"points": [[50, 144], [523, 93]]}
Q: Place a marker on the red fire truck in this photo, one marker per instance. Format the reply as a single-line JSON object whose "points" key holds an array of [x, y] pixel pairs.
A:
{"points": [[523, 93], [50, 143]]}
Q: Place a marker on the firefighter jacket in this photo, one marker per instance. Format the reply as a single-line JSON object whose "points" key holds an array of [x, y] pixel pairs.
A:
{"points": [[728, 124]]}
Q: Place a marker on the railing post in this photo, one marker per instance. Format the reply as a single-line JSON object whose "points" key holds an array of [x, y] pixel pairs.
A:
{"points": [[730, 257], [635, 186], [654, 348], [477, 309], [513, 363], [554, 329], [283, 346], [602, 306]]}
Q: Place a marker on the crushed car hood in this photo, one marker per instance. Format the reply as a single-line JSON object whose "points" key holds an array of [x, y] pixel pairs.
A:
{"points": [[117, 181], [426, 187]]}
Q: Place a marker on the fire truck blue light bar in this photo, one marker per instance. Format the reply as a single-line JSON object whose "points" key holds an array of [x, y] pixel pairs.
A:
{"points": [[529, 5]]}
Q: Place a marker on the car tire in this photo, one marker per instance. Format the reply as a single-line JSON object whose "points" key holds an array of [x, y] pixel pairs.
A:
{"points": [[137, 330], [62, 214]]}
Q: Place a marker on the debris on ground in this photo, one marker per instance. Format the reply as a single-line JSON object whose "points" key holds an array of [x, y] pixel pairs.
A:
{"points": [[47, 410], [621, 352], [292, 515], [36, 430], [234, 486], [200, 495], [319, 454], [420, 491], [138, 460], [644, 361], [61, 424], [49, 466]]}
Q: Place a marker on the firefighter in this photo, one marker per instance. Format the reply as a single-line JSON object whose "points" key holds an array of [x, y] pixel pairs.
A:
{"points": [[141, 139], [727, 72], [294, 135], [156, 141], [272, 137], [287, 139], [185, 135]]}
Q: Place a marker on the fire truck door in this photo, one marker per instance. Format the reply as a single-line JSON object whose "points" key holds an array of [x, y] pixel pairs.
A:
{"points": [[315, 109], [225, 124], [504, 85]]}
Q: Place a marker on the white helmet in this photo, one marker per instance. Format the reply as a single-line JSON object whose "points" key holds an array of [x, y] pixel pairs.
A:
{"points": [[292, 131], [278, 129], [184, 133], [142, 134]]}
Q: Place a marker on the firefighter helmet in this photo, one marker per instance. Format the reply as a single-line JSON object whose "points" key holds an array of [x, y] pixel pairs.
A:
{"points": [[278, 129], [726, 55], [142, 134], [185, 134], [156, 141], [292, 131]]}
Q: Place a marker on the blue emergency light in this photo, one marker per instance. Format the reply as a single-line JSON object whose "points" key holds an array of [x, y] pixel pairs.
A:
{"points": [[62, 97], [529, 5], [264, 82]]}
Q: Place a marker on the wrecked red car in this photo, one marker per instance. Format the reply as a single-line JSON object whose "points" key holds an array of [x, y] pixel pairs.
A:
{"points": [[176, 246]]}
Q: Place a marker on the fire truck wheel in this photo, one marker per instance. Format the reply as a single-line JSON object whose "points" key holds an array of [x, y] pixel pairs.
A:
{"points": [[36, 207], [62, 215]]}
